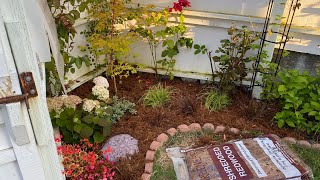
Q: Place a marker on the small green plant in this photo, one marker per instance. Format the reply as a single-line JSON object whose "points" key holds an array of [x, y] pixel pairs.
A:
{"points": [[153, 26], [268, 70], [120, 107], [157, 96], [215, 101], [299, 94]]}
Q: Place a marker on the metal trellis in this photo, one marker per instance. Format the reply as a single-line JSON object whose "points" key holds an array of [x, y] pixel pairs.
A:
{"points": [[283, 38]]}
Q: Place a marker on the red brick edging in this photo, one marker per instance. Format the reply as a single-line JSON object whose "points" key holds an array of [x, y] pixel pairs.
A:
{"points": [[163, 137]]}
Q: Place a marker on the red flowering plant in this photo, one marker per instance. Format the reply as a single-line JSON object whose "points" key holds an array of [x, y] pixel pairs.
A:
{"points": [[84, 161]]}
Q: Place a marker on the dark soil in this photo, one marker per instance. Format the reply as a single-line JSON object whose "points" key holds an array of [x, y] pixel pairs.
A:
{"points": [[184, 108]]}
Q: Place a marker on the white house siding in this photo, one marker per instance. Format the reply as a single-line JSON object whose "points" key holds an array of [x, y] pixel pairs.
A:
{"points": [[208, 20]]}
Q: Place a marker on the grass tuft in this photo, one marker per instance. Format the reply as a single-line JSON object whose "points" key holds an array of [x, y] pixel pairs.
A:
{"points": [[157, 96], [215, 101], [311, 157]]}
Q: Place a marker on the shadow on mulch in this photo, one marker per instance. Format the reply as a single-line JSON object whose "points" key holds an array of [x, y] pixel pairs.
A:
{"points": [[184, 108]]}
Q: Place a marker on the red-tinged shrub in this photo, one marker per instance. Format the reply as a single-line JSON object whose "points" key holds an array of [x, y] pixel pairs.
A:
{"points": [[84, 161]]}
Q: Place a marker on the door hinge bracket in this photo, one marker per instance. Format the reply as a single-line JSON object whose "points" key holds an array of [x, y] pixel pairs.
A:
{"points": [[28, 87]]}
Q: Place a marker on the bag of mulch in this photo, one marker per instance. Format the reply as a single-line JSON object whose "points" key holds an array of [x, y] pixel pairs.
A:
{"points": [[258, 158]]}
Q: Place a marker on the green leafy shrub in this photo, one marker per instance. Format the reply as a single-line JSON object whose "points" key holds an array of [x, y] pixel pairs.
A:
{"points": [[299, 94], [157, 96], [88, 118], [215, 101], [232, 57], [79, 122]]}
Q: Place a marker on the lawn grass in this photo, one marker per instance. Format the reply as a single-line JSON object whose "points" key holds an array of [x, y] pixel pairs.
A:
{"points": [[161, 172], [163, 168], [311, 157]]}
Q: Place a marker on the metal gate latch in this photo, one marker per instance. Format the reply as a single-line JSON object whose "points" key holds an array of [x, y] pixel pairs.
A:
{"points": [[28, 89]]}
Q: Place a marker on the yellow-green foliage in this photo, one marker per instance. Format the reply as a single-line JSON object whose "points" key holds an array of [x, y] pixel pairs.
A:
{"points": [[108, 39]]}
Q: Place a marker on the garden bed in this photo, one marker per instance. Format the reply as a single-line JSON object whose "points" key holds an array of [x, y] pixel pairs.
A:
{"points": [[185, 107]]}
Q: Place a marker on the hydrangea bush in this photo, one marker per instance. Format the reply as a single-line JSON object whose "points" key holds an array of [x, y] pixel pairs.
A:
{"points": [[88, 118]]}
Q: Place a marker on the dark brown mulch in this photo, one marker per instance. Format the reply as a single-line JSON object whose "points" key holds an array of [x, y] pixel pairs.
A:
{"points": [[185, 108]]}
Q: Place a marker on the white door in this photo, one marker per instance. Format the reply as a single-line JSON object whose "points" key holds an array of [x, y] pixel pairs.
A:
{"points": [[19, 155], [27, 148]]}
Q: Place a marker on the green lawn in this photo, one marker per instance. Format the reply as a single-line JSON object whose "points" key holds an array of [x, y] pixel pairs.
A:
{"points": [[311, 157]]}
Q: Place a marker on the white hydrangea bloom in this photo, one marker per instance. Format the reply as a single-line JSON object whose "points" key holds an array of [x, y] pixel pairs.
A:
{"points": [[71, 101], [101, 81], [89, 105], [101, 92]]}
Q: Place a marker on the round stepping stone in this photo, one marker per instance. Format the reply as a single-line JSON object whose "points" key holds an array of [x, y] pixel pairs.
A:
{"points": [[208, 126], [304, 143], [162, 138], [122, 146], [155, 145], [220, 129], [172, 131], [150, 155], [183, 128], [195, 127], [148, 168], [234, 130], [289, 140], [146, 176]]}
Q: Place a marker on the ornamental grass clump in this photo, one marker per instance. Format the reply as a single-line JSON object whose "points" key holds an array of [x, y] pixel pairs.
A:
{"points": [[157, 96], [215, 101]]}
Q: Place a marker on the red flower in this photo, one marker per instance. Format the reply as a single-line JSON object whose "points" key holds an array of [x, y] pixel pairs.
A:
{"points": [[84, 161], [178, 6], [184, 3]]}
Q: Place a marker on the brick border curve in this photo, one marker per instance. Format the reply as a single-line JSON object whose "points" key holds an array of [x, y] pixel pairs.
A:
{"points": [[163, 137]]}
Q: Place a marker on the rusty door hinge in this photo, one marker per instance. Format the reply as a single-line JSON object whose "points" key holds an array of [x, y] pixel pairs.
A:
{"points": [[28, 87]]}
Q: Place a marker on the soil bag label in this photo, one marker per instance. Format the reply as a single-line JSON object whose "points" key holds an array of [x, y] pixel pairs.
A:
{"points": [[228, 163], [259, 158], [279, 157]]}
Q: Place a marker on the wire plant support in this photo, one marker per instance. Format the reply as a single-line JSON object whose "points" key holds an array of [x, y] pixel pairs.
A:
{"points": [[281, 40]]}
